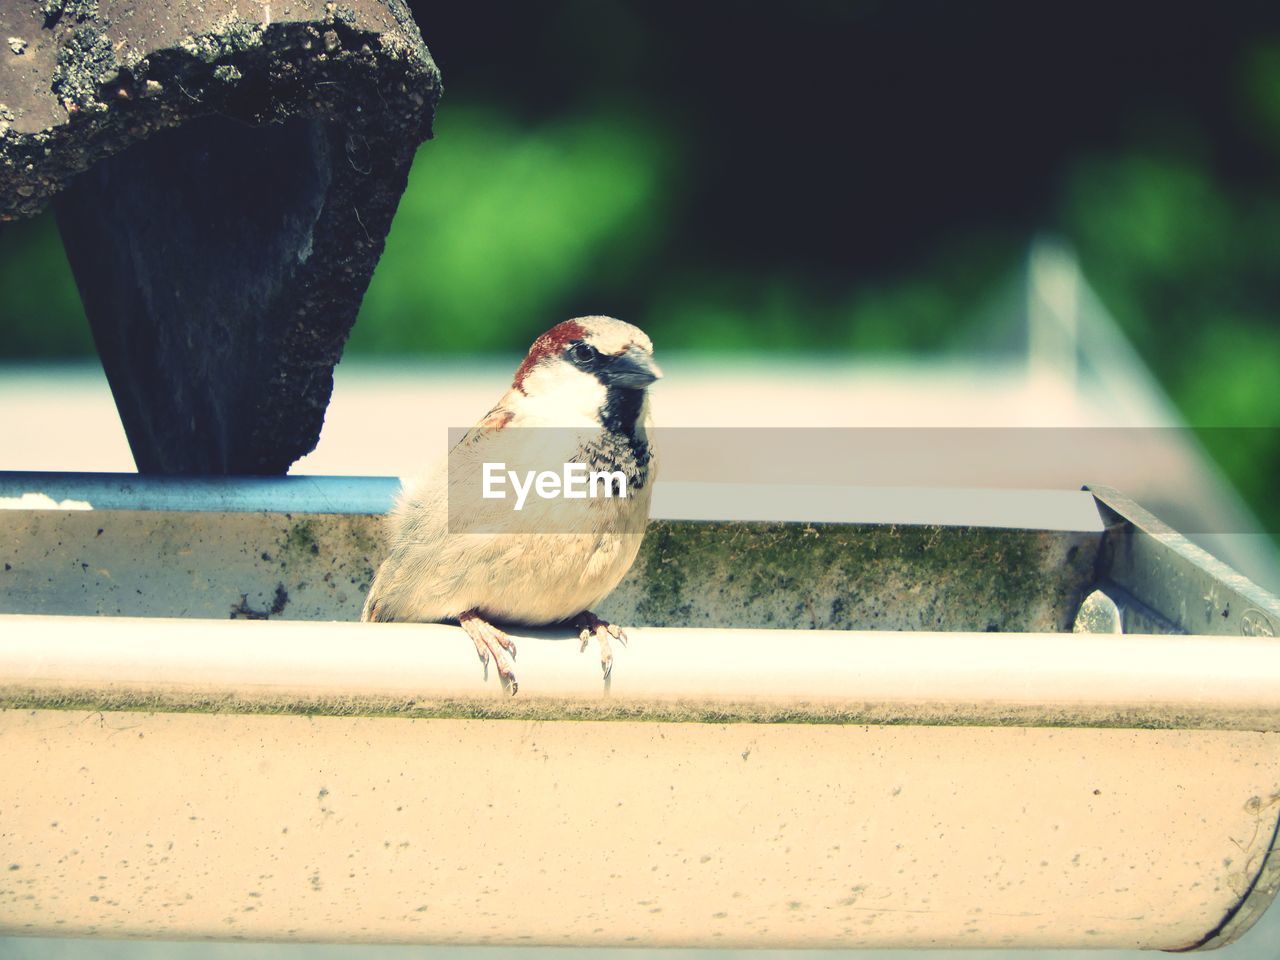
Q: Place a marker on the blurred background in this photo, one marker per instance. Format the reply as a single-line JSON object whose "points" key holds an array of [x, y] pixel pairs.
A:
{"points": [[853, 178]]}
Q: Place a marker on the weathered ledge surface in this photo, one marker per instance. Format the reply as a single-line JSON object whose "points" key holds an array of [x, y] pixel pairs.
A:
{"points": [[305, 548], [224, 176]]}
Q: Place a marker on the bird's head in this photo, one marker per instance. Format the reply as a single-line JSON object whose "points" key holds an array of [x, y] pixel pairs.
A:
{"points": [[589, 369]]}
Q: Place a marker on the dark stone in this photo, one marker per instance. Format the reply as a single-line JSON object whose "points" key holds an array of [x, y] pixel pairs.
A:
{"points": [[223, 187]]}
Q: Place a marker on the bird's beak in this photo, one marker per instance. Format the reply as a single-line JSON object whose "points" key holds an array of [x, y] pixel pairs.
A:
{"points": [[634, 368]]}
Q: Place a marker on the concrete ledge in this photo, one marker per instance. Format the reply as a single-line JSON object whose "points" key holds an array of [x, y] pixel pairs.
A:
{"points": [[306, 548], [224, 176]]}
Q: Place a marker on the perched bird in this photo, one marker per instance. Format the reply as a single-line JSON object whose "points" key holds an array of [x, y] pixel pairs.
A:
{"points": [[459, 552]]}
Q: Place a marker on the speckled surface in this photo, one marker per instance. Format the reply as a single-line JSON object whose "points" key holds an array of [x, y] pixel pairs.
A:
{"points": [[93, 76], [318, 567], [516, 832]]}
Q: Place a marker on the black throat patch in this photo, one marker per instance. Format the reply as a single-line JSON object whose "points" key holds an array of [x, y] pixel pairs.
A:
{"points": [[622, 446], [621, 409]]}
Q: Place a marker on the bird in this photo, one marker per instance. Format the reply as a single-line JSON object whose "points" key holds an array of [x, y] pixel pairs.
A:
{"points": [[458, 552]]}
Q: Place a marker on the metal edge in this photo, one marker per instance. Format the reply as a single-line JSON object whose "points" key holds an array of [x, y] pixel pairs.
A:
{"points": [[1132, 517], [1062, 511], [1249, 610], [1260, 895], [683, 675]]}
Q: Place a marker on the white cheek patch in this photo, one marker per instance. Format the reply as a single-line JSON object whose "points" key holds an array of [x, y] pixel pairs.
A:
{"points": [[562, 395]]}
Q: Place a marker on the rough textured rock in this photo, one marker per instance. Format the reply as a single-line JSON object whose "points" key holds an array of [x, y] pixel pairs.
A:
{"points": [[224, 175]]}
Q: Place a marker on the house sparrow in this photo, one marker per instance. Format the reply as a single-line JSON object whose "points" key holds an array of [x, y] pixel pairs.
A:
{"points": [[457, 553]]}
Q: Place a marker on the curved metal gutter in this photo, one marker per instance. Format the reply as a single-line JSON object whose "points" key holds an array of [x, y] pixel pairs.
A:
{"points": [[815, 783], [751, 676], [347, 782]]}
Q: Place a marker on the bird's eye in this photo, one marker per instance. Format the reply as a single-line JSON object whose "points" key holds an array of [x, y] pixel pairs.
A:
{"points": [[584, 352]]}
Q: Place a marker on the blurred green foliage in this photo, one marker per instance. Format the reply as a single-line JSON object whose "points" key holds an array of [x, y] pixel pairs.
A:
{"points": [[1188, 260], [505, 228], [40, 312], [502, 225]]}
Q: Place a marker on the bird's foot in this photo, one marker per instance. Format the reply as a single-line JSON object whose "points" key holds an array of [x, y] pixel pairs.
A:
{"points": [[588, 625], [490, 640]]}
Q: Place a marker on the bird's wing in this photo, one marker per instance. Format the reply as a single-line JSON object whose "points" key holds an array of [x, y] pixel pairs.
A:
{"points": [[495, 419]]}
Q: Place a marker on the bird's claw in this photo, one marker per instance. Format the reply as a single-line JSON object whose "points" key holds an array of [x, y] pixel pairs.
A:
{"points": [[589, 625], [490, 640]]}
